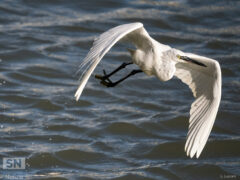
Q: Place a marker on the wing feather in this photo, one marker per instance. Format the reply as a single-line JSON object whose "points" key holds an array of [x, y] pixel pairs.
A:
{"points": [[134, 32], [195, 127], [205, 83]]}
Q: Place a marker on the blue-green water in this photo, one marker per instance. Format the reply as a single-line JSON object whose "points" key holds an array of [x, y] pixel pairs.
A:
{"points": [[136, 130]]}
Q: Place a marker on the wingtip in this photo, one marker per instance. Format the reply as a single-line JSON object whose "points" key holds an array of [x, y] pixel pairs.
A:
{"points": [[192, 153], [76, 97], [78, 94]]}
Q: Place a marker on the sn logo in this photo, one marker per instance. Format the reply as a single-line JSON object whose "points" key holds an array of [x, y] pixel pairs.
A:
{"points": [[14, 163]]}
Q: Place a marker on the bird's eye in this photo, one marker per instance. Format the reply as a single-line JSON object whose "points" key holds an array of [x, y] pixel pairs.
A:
{"points": [[178, 56]]}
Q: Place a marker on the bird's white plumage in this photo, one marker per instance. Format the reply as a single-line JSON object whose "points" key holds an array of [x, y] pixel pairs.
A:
{"points": [[161, 60]]}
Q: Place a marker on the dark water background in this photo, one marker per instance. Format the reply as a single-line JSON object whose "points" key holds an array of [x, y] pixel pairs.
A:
{"points": [[134, 131]]}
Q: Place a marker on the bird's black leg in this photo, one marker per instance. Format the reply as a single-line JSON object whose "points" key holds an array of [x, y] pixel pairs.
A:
{"points": [[112, 84], [106, 76]]}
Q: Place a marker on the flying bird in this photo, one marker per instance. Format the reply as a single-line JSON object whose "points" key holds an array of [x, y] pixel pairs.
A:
{"points": [[201, 74]]}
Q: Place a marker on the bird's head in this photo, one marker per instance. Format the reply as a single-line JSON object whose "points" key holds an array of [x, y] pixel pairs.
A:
{"points": [[191, 59]]}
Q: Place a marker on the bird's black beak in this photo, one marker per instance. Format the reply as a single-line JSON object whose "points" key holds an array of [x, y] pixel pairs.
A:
{"points": [[185, 58]]}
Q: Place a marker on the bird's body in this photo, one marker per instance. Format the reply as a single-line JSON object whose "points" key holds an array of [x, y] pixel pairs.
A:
{"points": [[201, 74]]}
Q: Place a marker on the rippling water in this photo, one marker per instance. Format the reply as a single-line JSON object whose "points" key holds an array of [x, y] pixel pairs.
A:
{"points": [[111, 133]]}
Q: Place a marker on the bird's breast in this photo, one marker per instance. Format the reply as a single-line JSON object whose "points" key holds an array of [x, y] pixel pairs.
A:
{"points": [[164, 69], [154, 62], [164, 64], [145, 61]]}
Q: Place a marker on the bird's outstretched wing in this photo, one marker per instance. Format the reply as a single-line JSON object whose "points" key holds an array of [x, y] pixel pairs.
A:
{"points": [[133, 32], [205, 83]]}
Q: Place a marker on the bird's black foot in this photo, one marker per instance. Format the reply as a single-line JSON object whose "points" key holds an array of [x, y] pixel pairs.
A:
{"points": [[105, 79], [107, 82]]}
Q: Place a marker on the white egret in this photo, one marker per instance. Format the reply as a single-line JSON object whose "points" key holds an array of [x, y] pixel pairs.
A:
{"points": [[201, 74]]}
